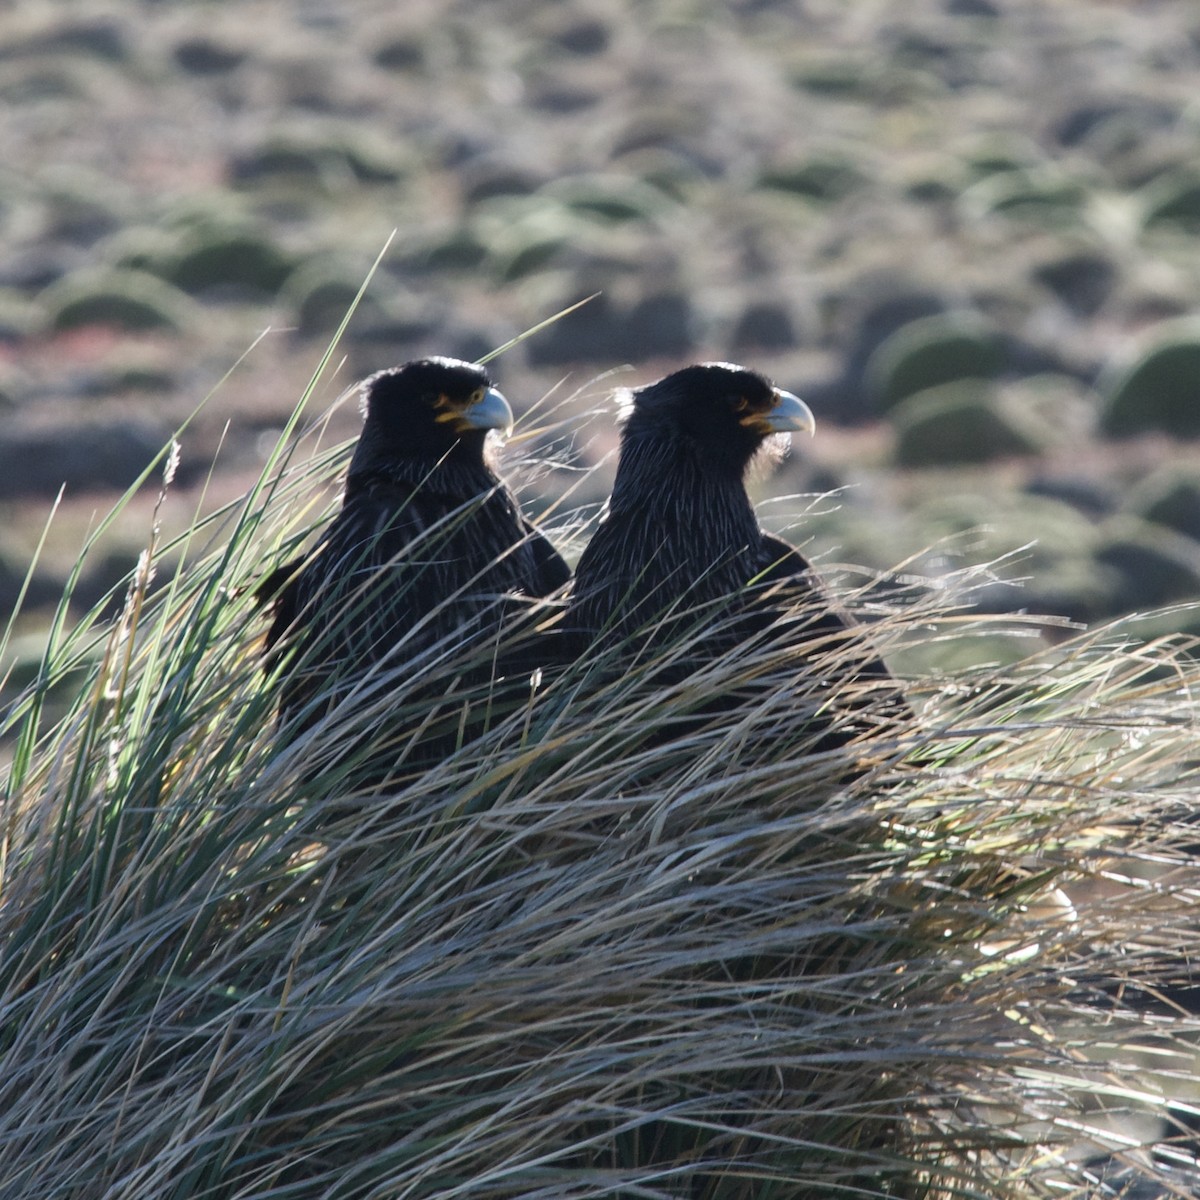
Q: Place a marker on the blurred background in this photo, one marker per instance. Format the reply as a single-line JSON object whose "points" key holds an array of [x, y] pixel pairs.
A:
{"points": [[966, 231]]}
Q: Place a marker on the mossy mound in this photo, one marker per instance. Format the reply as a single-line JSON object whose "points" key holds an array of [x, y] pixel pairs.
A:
{"points": [[1173, 200], [142, 248], [1040, 552], [1159, 389], [1155, 565], [1080, 279], [1169, 496], [81, 205], [18, 319], [1041, 195], [90, 456], [201, 55], [320, 294], [524, 234], [452, 250], [241, 259], [400, 52], [130, 300], [962, 422], [102, 38], [661, 324], [823, 178], [611, 198], [764, 325], [996, 153], [841, 76], [929, 352], [330, 158], [132, 372]]}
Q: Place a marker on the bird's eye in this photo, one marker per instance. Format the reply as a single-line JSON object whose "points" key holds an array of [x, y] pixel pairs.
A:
{"points": [[741, 404], [475, 396]]}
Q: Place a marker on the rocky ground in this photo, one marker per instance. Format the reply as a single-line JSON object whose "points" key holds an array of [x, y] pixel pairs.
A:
{"points": [[964, 230]]}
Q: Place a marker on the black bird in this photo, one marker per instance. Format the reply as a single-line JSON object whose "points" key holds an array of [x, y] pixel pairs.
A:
{"points": [[429, 545], [679, 544]]}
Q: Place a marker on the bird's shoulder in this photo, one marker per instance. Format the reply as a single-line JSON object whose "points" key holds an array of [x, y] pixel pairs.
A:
{"points": [[778, 561], [788, 583], [278, 592], [372, 524]]}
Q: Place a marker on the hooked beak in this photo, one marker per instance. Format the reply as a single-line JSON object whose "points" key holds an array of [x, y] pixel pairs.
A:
{"points": [[490, 411], [788, 414], [791, 415]]}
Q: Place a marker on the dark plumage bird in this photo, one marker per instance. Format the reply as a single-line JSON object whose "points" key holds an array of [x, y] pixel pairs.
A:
{"points": [[429, 545], [680, 543]]}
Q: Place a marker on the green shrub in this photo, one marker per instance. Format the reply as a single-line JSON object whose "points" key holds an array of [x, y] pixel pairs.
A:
{"points": [[205, 212], [371, 160], [931, 351], [129, 300], [1159, 388], [962, 422], [764, 324]]}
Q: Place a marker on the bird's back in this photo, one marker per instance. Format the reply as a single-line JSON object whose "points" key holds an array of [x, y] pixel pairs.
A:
{"points": [[651, 575], [402, 568]]}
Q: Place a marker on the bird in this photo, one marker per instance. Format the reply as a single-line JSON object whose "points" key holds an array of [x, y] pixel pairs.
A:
{"points": [[430, 546], [679, 544], [717, 628]]}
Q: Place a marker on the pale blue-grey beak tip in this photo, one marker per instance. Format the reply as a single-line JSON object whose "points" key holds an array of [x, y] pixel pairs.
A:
{"points": [[791, 415], [490, 411]]}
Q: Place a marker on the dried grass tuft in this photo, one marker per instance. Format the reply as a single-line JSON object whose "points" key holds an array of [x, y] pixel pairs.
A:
{"points": [[943, 962]]}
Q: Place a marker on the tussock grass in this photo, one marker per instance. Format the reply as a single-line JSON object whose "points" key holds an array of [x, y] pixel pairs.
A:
{"points": [[574, 959]]}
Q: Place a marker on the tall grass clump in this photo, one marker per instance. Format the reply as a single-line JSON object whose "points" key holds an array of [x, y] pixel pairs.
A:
{"points": [[592, 951]]}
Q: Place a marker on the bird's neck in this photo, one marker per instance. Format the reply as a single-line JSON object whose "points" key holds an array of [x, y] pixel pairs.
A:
{"points": [[664, 482]]}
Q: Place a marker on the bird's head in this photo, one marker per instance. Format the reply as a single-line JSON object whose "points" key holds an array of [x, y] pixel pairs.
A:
{"points": [[724, 411], [427, 409]]}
